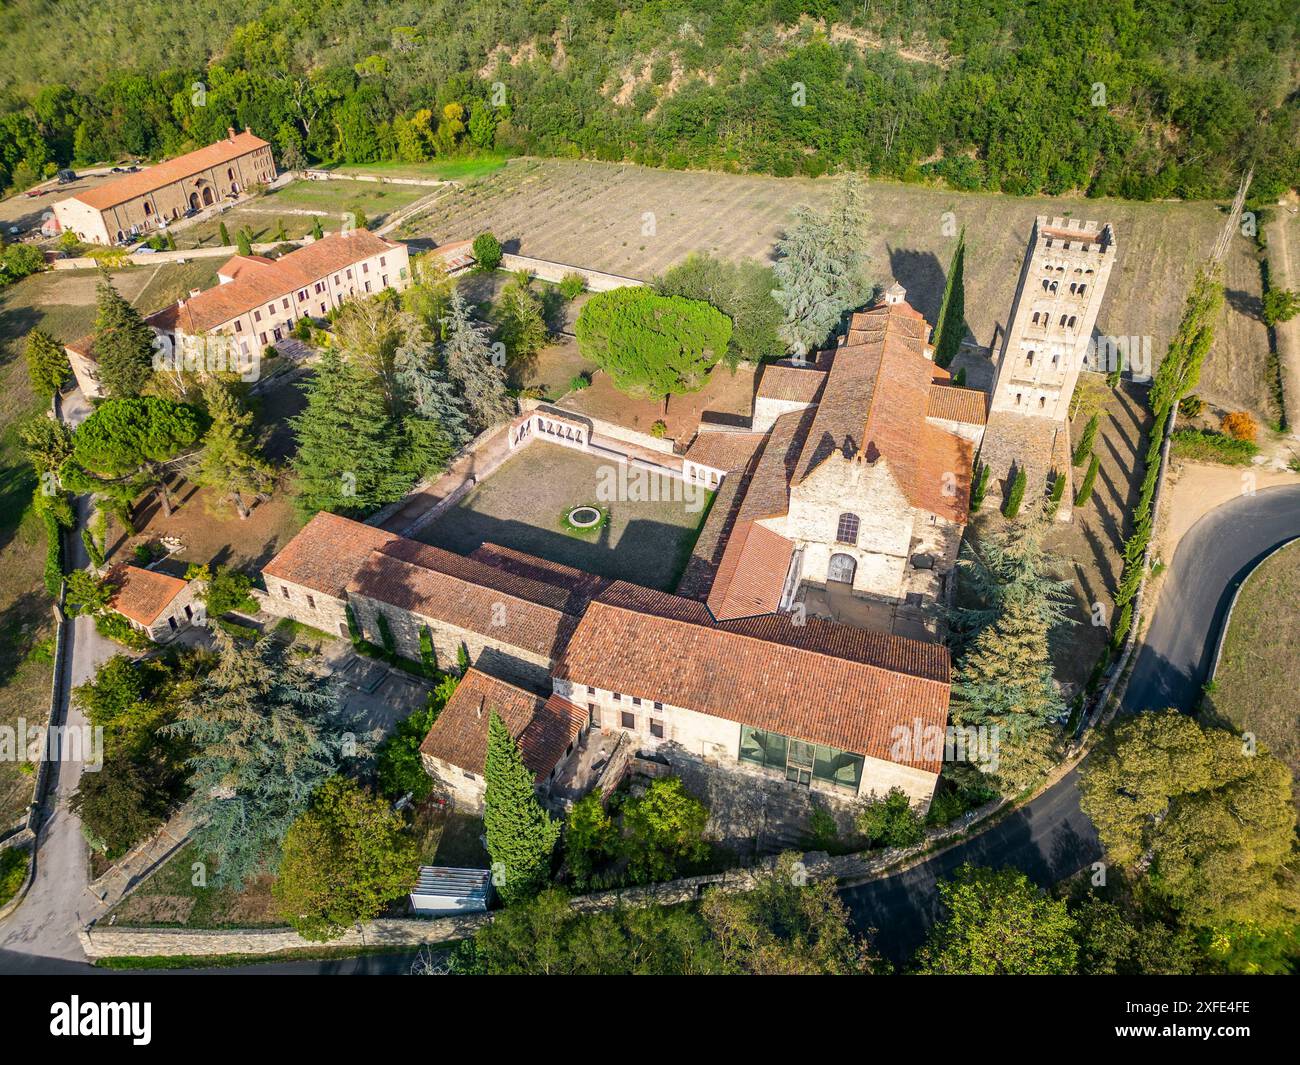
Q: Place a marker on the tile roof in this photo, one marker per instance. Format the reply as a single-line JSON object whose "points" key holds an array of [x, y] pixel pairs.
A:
{"points": [[257, 280], [142, 594], [583, 585], [797, 384], [543, 728], [326, 553], [469, 594], [768, 494], [751, 575], [956, 404], [152, 178], [875, 402], [819, 682], [721, 450]]}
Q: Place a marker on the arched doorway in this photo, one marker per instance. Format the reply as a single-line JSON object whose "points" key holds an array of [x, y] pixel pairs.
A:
{"points": [[148, 209], [207, 197], [843, 568], [194, 200]]}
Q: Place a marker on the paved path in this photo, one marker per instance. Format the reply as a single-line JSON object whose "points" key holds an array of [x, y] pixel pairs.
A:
{"points": [[58, 903], [1051, 838]]}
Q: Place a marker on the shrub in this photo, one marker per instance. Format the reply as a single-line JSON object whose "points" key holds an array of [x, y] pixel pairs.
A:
{"points": [[1204, 445], [1085, 486], [572, 285], [659, 430], [1191, 406], [487, 251], [578, 382], [959, 378], [53, 554], [1016, 494], [302, 329], [890, 820], [398, 767], [427, 654], [1240, 426], [116, 628], [93, 551], [13, 871]]}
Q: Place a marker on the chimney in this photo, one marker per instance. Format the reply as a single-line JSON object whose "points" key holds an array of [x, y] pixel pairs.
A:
{"points": [[180, 304], [231, 131], [194, 292]]}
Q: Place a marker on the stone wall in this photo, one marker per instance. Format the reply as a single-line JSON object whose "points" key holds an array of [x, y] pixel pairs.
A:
{"points": [[492, 655], [305, 605]]}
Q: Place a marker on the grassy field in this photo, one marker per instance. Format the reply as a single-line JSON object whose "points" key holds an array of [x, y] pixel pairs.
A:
{"points": [[522, 505], [636, 221], [1255, 686], [298, 204], [464, 170], [171, 899]]}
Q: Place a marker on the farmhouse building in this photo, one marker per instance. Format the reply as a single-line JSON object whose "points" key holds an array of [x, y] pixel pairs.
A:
{"points": [[136, 204], [156, 604], [258, 300]]}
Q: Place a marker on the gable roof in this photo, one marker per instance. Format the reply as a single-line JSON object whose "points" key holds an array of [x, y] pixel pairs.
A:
{"points": [[326, 553], [257, 280], [722, 450], [751, 574], [542, 727], [142, 594], [795, 384], [153, 178], [820, 682], [955, 404]]}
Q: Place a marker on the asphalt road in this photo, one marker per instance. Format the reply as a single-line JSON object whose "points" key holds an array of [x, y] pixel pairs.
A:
{"points": [[1051, 838]]}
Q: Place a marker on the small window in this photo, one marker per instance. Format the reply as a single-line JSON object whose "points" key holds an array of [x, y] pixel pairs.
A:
{"points": [[365, 268], [311, 603], [1029, 358], [1042, 401], [383, 261], [656, 728], [629, 720], [658, 705], [285, 303], [349, 275], [285, 589], [257, 316], [636, 700], [262, 337], [239, 324], [336, 279], [591, 690], [618, 697], [846, 530]]}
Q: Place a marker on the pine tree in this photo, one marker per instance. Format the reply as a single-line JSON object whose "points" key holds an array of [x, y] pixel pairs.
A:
{"points": [[231, 463], [951, 330], [345, 460], [123, 343], [469, 362], [267, 733], [47, 363], [426, 393], [520, 834], [523, 326], [821, 270]]}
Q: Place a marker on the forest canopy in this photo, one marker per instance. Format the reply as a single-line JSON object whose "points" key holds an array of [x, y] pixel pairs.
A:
{"points": [[1133, 98]]}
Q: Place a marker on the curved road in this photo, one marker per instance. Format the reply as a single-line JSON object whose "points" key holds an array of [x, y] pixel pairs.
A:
{"points": [[1048, 839], [1051, 838]]}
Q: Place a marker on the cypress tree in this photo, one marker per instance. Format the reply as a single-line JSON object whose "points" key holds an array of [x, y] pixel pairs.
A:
{"points": [[123, 343], [244, 241], [225, 234], [1016, 494], [1085, 486], [345, 460], [520, 834], [316, 229], [1086, 439], [980, 486], [1058, 490], [951, 328]]}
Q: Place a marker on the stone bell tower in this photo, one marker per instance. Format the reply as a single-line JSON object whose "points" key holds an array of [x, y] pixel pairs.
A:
{"points": [[1047, 341]]}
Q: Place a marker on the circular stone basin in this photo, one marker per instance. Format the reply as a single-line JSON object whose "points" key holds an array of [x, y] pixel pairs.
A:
{"points": [[584, 517]]}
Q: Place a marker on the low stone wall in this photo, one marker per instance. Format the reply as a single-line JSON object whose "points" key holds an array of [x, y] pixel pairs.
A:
{"points": [[545, 270], [110, 942]]}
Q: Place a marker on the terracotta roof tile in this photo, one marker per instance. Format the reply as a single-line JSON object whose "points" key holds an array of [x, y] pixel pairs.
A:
{"points": [[818, 682], [724, 451], [955, 404], [584, 586], [751, 574], [543, 728], [258, 280], [796, 384], [152, 178], [326, 553], [142, 594]]}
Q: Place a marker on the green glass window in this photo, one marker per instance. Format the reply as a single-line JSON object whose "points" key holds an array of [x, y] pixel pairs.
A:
{"points": [[798, 760], [837, 767]]}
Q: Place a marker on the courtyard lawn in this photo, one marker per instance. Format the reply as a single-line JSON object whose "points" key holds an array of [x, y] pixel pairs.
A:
{"points": [[523, 504], [1258, 674]]}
